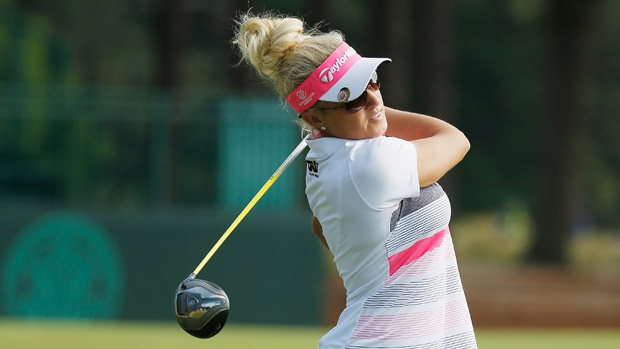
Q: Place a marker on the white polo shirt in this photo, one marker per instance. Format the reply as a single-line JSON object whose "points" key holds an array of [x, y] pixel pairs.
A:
{"points": [[365, 194]]}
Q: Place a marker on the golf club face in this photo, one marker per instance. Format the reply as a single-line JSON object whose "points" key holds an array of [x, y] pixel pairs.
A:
{"points": [[201, 307]]}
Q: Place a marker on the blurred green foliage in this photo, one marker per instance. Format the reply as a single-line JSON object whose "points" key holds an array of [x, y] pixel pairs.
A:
{"points": [[501, 239], [81, 94]]}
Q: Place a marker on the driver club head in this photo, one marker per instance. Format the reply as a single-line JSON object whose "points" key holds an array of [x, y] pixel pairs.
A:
{"points": [[201, 307]]}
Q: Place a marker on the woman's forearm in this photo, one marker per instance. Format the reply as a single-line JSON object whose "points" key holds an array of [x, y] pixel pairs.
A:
{"points": [[439, 145], [411, 126]]}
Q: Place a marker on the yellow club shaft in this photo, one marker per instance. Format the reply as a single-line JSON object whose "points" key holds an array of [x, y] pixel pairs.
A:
{"points": [[250, 205], [236, 222]]}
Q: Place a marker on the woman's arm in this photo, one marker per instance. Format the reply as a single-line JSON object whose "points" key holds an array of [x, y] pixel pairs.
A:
{"points": [[318, 231], [439, 145]]}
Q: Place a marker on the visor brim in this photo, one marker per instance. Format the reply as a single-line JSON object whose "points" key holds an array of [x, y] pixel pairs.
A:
{"points": [[355, 80]]}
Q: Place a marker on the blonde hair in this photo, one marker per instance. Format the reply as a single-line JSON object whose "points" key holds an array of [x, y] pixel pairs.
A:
{"points": [[281, 49]]}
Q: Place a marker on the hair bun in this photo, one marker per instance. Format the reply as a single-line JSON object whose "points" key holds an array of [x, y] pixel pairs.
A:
{"points": [[281, 49], [266, 41]]}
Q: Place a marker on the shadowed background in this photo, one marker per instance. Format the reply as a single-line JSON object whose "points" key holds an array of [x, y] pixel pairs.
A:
{"points": [[129, 141]]}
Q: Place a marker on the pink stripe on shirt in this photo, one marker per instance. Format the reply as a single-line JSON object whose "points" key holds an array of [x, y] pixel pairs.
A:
{"points": [[415, 251]]}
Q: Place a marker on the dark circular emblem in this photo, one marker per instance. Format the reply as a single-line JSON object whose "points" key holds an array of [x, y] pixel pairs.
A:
{"points": [[65, 265]]}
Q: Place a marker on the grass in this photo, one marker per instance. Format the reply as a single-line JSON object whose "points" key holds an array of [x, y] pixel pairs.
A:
{"points": [[68, 335], [548, 339]]}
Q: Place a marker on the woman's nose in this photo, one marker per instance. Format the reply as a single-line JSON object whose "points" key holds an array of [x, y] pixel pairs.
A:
{"points": [[374, 97]]}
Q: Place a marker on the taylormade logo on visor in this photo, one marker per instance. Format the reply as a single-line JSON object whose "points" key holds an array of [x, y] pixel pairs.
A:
{"points": [[323, 78], [327, 74]]}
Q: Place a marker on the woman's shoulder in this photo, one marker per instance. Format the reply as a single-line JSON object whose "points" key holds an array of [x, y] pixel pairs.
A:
{"points": [[381, 149], [384, 171]]}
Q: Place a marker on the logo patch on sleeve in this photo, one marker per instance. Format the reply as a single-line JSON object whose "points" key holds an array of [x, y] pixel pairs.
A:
{"points": [[313, 168]]}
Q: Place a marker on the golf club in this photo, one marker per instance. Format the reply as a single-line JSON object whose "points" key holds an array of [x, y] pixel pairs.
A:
{"points": [[201, 307]]}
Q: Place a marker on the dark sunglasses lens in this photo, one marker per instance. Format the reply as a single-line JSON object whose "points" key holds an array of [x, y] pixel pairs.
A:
{"points": [[357, 104]]}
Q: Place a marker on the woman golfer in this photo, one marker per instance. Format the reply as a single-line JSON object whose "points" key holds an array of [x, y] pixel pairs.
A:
{"points": [[372, 186]]}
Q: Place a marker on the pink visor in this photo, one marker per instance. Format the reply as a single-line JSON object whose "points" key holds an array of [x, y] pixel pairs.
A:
{"points": [[342, 77], [323, 78]]}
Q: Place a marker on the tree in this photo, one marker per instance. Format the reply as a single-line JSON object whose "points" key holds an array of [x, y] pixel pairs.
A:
{"points": [[392, 39], [433, 65], [169, 38], [569, 27]]}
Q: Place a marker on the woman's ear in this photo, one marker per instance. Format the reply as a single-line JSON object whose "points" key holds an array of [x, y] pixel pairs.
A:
{"points": [[312, 119]]}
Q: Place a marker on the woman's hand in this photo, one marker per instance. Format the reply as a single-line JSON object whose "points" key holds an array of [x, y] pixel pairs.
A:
{"points": [[439, 145]]}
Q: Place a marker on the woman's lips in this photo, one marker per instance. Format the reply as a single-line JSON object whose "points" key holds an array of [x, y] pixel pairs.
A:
{"points": [[377, 116]]}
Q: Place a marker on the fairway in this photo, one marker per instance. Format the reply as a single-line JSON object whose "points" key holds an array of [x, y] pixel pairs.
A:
{"points": [[69, 335]]}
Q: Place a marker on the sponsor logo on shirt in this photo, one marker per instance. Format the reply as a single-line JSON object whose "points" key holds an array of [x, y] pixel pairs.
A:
{"points": [[313, 168]]}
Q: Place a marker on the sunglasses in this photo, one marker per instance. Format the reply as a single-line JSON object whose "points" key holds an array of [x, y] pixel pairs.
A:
{"points": [[360, 102]]}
